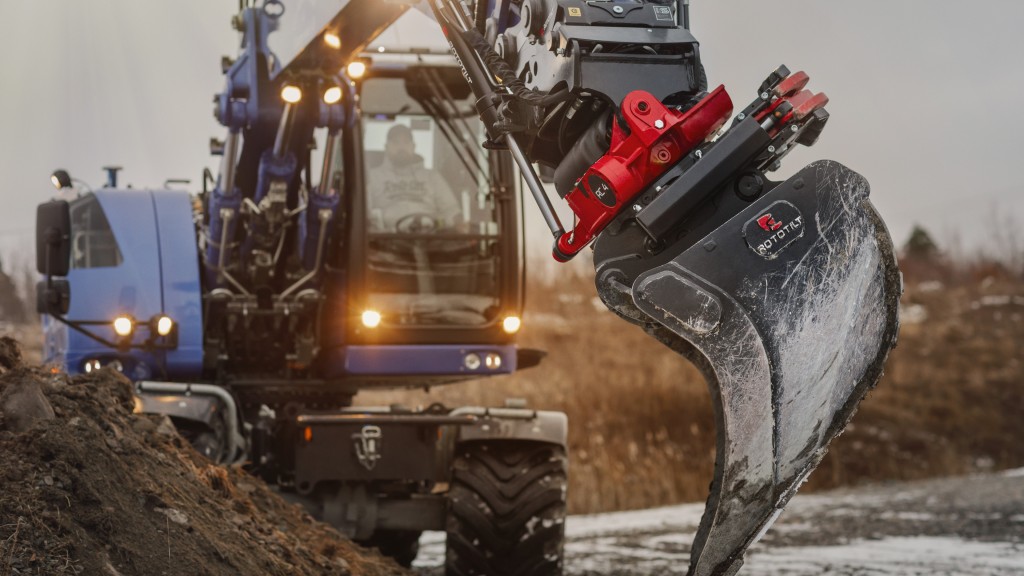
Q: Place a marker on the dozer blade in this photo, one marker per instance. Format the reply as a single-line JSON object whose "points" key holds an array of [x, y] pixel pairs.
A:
{"points": [[790, 308]]}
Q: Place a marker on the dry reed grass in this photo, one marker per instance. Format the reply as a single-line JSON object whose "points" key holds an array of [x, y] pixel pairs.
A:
{"points": [[952, 399]]}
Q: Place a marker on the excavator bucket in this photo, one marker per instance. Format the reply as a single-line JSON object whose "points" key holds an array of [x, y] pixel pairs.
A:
{"points": [[790, 308]]}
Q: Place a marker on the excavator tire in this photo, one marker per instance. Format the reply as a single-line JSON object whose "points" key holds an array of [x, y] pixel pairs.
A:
{"points": [[506, 512]]}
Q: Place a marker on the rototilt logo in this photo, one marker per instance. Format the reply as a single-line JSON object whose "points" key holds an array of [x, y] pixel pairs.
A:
{"points": [[768, 223], [774, 229], [778, 239]]}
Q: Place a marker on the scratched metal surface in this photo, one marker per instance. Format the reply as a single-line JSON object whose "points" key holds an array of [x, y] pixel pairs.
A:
{"points": [[790, 339]]}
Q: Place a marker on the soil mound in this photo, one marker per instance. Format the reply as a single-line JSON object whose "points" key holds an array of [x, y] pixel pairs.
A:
{"points": [[88, 487]]}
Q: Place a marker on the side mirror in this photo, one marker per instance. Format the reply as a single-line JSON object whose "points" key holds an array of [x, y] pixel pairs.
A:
{"points": [[53, 297], [53, 238]]}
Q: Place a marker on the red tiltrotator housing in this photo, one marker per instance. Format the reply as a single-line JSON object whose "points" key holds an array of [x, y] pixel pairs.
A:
{"points": [[653, 139]]}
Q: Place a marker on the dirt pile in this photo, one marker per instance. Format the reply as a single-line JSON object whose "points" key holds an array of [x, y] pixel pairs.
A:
{"points": [[88, 487]]}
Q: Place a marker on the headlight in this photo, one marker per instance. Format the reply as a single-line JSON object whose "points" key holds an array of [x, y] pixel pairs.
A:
{"points": [[493, 361], [332, 95], [511, 324], [164, 325], [471, 361], [371, 318], [332, 40], [123, 326], [94, 364], [356, 69], [291, 94]]}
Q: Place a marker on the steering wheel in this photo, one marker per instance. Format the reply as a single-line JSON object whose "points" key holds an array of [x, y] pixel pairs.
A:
{"points": [[417, 223], [425, 224]]}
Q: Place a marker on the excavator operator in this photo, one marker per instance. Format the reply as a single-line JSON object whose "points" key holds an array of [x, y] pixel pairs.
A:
{"points": [[404, 195]]}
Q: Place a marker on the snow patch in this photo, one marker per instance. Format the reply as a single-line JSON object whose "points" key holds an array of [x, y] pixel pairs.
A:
{"points": [[891, 556], [431, 552], [682, 517], [909, 516], [1003, 300], [913, 314]]}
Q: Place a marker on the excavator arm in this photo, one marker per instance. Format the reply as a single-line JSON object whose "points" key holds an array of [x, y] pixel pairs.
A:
{"points": [[785, 293]]}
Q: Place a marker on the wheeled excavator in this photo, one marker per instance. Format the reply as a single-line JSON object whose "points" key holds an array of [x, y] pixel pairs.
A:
{"points": [[253, 312]]}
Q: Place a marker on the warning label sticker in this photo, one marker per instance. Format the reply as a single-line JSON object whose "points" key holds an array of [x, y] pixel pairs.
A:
{"points": [[663, 13]]}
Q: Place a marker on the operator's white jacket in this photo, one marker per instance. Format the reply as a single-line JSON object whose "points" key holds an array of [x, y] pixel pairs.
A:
{"points": [[398, 192]]}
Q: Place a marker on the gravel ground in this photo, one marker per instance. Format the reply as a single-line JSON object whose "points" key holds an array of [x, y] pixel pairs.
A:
{"points": [[955, 526]]}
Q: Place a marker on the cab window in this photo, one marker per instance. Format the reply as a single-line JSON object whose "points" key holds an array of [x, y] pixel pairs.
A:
{"points": [[433, 222], [92, 241]]}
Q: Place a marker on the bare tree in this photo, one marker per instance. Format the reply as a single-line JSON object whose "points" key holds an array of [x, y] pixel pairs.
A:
{"points": [[12, 308]]}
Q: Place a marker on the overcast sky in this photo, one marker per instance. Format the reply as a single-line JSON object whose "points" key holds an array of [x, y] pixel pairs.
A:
{"points": [[926, 96]]}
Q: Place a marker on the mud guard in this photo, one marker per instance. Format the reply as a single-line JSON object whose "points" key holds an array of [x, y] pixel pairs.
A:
{"points": [[513, 424], [201, 403], [790, 309]]}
